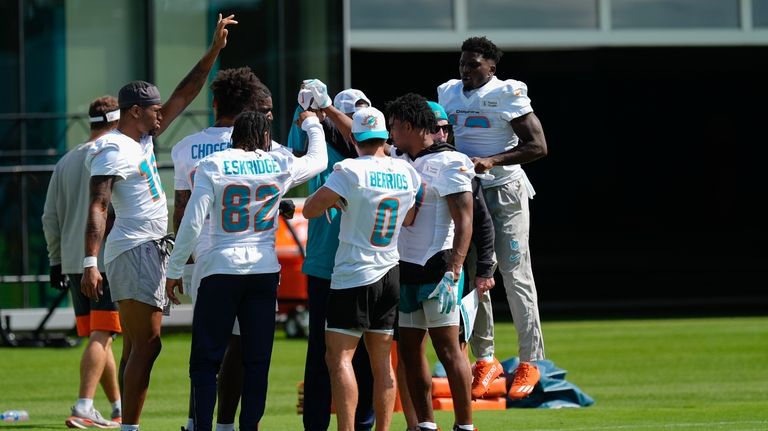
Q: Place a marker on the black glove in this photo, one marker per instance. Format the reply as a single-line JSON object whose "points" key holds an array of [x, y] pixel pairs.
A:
{"points": [[287, 208], [58, 280]]}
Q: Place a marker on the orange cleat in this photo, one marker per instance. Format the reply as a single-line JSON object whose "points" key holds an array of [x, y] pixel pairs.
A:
{"points": [[483, 374], [524, 380]]}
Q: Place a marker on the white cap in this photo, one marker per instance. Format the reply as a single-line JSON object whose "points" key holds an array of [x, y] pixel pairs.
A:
{"points": [[346, 100], [369, 123]]}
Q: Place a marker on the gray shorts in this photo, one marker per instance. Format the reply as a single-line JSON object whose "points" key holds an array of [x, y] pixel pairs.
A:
{"points": [[139, 274]]}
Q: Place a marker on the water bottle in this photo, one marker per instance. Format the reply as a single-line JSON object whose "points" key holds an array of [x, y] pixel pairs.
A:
{"points": [[14, 416]]}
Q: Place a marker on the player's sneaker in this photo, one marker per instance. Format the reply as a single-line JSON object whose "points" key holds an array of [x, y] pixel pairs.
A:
{"points": [[524, 380], [90, 419], [117, 415], [483, 374], [456, 428]]}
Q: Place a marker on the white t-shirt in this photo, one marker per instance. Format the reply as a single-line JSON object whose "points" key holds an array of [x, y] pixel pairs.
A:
{"points": [[379, 192], [241, 190], [141, 213], [481, 121], [442, 173]]}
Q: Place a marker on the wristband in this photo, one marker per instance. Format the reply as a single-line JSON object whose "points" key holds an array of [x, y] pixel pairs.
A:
{"points": [[90, 261]]}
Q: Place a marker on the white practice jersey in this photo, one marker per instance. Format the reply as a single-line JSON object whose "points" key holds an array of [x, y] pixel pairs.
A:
{"points": [[241, 190], [141, 213], [481, 121], [379, 191], [193, 148], [442, 173], [186, 154]]}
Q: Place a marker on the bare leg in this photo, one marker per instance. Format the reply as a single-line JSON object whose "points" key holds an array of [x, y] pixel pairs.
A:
{"points": [[143, 323], [340, 348], [446, 342], [93, 361], [379, 347], [411, 420], [411, 344], [109, 376]]}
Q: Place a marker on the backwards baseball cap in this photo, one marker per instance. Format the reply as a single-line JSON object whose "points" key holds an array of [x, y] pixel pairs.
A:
{"points": [[369, 123], [346, 100], [140, 93], [438, 110]]}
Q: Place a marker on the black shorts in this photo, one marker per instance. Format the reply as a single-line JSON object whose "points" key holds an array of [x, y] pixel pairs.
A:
{"points": [[366, 307], [93, 315]]}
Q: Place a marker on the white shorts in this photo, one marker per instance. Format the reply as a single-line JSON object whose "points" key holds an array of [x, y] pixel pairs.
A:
{"points": [[429, 316]]}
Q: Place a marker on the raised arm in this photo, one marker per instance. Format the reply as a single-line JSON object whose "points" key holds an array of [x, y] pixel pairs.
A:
{"points": [[316, 159], [190, 86], [95, 228], [531, 146]]}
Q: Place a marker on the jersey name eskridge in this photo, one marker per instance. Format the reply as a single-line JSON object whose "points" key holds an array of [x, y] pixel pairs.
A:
{"points": [[198, 151], [385, 180], [250, 167]]}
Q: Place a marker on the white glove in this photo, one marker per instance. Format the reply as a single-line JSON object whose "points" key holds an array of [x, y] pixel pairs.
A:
{"points": [[319, 92], [446, 292], [306, 99]]}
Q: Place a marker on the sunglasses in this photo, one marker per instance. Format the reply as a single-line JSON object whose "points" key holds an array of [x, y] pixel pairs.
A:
{"points": [[446, 128]]}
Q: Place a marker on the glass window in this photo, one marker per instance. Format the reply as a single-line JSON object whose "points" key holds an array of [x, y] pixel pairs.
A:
{"points": [[410, 14], [105, 50], [515, 14], [675, 13], [760, 13]]}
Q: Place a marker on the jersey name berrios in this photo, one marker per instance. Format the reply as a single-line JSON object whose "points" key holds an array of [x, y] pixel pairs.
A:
{"points": [[442, 173], [138, 198], [379, 191], [245, 188], [481, 121]]}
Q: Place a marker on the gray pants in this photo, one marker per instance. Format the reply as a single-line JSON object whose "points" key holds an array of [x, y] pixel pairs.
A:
{"points": [[481, 339], [508, 205]]}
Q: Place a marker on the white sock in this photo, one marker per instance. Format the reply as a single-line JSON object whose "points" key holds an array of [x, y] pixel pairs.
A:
{"points": [[190, 424], [428, 425], [84, 404], [117, 405], [225, 427], [126, 427], [469, 427]]}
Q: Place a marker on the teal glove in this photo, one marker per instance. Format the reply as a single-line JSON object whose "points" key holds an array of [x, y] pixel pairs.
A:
{"points": [[319, 92], [446, 292]]}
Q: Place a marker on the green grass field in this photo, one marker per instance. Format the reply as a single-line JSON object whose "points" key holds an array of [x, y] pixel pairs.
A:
{"points": [[672, 374]]}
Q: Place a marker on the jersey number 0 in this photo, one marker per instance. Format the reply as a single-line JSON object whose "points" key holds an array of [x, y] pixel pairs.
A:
{"points": [[386, 221]]}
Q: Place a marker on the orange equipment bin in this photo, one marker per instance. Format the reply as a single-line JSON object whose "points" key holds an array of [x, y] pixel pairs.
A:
{"points": [[290, 243]]}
